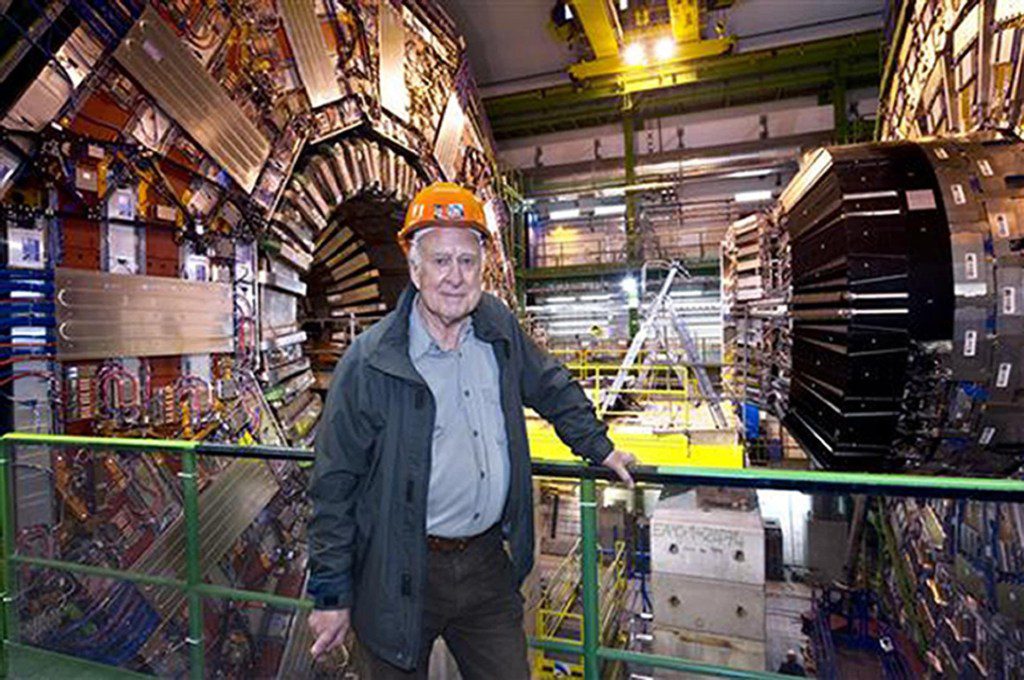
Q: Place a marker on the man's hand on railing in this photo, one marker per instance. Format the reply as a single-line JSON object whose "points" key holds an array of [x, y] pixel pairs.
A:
{"points": [[620, 462], [329, 627]]}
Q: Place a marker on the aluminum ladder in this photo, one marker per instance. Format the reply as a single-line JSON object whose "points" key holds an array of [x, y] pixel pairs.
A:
{"points": [[662, 306]]}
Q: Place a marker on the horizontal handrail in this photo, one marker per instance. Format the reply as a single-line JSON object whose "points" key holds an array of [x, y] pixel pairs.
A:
{"points": [[884, 484], [807, 481]]}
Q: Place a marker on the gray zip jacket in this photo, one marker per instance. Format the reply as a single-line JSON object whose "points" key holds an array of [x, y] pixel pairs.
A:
{"points": [[367, 537]]}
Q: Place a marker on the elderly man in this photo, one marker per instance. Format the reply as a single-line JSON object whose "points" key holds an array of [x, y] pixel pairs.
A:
{"points": [[423, 468]]}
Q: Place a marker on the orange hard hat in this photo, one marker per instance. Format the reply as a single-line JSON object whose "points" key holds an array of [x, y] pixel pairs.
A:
{"points": [[443, 204]]}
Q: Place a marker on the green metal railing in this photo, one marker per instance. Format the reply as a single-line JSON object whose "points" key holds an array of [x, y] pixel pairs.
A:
{"points": [[193, 586], [590, 650]]}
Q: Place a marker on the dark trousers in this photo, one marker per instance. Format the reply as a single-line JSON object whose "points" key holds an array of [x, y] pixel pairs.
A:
{"points": [[472, 601]]}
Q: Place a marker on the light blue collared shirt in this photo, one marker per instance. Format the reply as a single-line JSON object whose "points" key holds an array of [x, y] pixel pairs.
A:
{"points": [[469, 465]]}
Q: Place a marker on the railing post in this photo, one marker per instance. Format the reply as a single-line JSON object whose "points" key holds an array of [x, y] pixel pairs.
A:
{"points": [[8, 621], [588, 560], [190, 491]]}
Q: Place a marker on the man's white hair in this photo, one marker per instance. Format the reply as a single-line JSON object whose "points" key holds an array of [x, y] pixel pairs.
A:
{"points": [[416, 255]]}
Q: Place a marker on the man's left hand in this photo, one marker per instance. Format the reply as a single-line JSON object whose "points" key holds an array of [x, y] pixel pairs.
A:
{"points": [[620, 461]]}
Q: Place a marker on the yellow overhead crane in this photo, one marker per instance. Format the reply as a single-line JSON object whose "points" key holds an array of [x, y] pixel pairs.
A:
{"points": [[650, 53]]}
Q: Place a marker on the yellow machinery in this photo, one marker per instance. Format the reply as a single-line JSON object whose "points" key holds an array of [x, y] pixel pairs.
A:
{"points": [[559, 614], [667, 426]]}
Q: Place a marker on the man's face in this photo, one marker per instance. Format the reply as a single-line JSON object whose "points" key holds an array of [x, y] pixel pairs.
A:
{"points": [[449, 273]]}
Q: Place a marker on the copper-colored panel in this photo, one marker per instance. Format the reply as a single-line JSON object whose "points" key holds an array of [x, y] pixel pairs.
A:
{"points": [[102, 315], [160, 63], [312, 55]]}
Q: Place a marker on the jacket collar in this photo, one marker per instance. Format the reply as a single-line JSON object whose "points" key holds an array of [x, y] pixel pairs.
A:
{"points": [[391, 353]]}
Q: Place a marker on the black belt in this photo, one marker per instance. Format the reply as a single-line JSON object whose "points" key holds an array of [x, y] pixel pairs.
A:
{"points": [[448, 545]]}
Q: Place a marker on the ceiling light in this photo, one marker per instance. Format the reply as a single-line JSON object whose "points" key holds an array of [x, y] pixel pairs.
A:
{"points": [[746, 174], [603, 210], [664, 49], [569, 214], [623, 5], [635, 55], [753, 196], [666, 168]]}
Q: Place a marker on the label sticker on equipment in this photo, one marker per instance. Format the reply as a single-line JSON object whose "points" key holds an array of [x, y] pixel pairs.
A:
{"points": [[970, 343], [25, 248], [985, 167], [971, 265], [959, 197], [1002, 225], [941, 153], [986, 435], [1009, 300], [921, 199], [150, 48], [1003, 376]]}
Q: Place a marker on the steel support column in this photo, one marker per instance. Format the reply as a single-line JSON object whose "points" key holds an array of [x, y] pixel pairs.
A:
{"points": [[9, 619], [633, 246], [521, 251], [190, 489], [588, 560], [842, 118]]}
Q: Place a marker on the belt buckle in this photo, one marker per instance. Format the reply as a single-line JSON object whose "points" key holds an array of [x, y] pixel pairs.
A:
{"points": [[448, 545]]}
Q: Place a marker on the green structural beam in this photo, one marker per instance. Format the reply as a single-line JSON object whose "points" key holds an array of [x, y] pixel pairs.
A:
{"points": [[891, 58], [629, 168], [708, 83], [204, 589], [682, 665], [190, 508], [140, 445], [33, 662], [9, 619], [589, 271], [588, 563], [839, 113], [806, 481], [96, 571], [270, 599], [688, 100]]}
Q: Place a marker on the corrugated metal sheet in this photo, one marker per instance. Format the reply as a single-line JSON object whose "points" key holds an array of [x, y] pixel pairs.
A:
{"points": [[394, 95], [311, 52], [102, 315], [448, 146], [154, 56]]}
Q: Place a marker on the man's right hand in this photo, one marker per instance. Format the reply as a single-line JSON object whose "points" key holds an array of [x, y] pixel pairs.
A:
{"points": [[329, 627]]}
